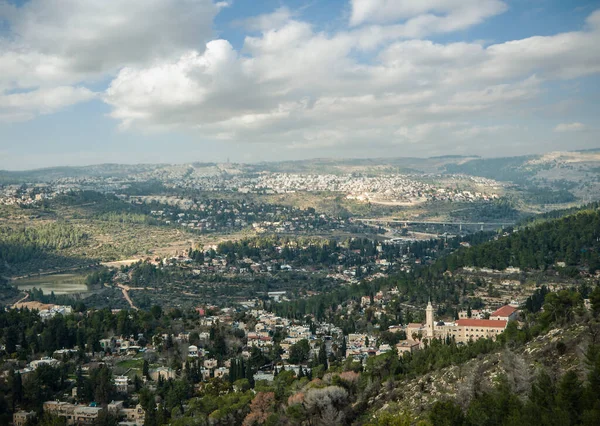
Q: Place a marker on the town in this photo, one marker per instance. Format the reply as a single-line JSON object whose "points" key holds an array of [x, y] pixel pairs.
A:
{"points": [[265, 343]]}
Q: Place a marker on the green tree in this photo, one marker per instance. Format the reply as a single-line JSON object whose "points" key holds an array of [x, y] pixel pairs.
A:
{"points": [[446, 413], [299, 352]]}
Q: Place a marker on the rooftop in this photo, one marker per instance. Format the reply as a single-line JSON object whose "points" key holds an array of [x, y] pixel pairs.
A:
{"points": [[481, 323], [504, 311]]}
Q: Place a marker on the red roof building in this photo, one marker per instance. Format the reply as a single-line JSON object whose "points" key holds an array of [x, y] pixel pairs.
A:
{"points": [[481, 323], [505, 313]]}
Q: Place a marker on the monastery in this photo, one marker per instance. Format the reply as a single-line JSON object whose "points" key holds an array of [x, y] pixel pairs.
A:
{"points": [[462, 330]]}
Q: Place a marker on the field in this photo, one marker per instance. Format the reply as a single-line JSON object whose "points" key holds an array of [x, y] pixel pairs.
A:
{"points": [[58, 283]]}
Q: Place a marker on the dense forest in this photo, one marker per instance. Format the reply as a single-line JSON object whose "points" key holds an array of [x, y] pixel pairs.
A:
{"points": [[39, 247], [574, 240]]}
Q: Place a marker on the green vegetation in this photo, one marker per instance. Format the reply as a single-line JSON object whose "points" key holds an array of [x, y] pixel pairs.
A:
{"points": [[573, 239]]}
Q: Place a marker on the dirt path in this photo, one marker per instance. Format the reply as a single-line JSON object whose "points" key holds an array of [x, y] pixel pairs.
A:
{"points": [[21, 301], [125, 290]]}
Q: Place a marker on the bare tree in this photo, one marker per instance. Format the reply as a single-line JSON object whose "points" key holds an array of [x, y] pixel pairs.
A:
{"points": [[326, 406]]}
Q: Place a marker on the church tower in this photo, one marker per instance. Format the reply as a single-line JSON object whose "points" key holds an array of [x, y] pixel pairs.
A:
{"points": [[429, 320]]}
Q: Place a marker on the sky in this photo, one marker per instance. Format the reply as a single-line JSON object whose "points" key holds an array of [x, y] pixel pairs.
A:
{"points": [[175, 81]]}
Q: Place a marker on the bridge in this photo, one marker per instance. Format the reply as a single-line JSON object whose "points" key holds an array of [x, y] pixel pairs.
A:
{"points": [[433, 222]]}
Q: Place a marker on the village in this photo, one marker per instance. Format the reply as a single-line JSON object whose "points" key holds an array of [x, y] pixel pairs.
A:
{"points": [[291, 345]]}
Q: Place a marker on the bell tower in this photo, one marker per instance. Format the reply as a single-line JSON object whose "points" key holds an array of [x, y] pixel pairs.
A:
{"points": [[429, 319]]}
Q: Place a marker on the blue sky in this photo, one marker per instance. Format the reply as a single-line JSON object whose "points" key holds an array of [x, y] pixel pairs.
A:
{"points": [[130, 81]]}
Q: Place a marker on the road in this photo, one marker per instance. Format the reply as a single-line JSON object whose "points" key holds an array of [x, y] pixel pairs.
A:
{"points": [[125, 289], [432, 222]]}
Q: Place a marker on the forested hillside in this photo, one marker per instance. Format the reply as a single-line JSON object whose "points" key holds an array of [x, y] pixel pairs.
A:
{"points": [[32, 247], [574, 240]]}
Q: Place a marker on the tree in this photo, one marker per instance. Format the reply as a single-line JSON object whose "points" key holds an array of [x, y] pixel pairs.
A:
{"points": [[260, 409], [249, 374], [327, 405], [81, 384], [299, 352], [446, 413], [16, 388], [595, 301], [102, 383], [146, 370], [323, 356], [569, 397]]}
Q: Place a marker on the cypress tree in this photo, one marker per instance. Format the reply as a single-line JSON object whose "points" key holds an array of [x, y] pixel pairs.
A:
{"points": [[323, 356], [249, 374]]}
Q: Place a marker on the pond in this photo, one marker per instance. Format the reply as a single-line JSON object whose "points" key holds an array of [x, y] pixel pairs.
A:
{"points": [[57, 283]]}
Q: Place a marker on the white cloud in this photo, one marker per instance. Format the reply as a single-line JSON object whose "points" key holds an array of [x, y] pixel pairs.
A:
{"points": [[425, 16], [100, 36], [53, 43], [378, 82], [294, 85], [569, 127], [24, 106]]}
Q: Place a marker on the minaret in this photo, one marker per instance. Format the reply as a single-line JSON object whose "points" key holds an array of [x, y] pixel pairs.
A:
{"points": [[429, 319]]}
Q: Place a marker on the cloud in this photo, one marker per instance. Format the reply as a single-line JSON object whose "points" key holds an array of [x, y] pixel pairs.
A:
{"points": [[425, 16], [569, 127], [293, 85], [96, 37], [53, 43], [24, 106], [378, 82]]}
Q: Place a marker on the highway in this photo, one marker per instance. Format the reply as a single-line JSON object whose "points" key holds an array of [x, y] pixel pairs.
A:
{"points": [[430, 222]]}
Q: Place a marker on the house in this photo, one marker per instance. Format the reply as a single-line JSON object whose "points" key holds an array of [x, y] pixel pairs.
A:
{"points": [[405, 346], [44, 361], [74, 414], [505, 313], [210, 363], [221, 372], [107, 344], [122, 384], [164, 372], [276, 295], [86, 415], [193, 351], [20, 418], [133, 415]]}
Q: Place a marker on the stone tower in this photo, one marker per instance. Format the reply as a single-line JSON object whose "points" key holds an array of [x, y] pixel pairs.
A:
{"points": [[429, 320]]}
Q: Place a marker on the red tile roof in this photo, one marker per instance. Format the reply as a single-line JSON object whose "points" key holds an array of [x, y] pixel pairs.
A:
{"points": [[481, 323], [504, 311]]}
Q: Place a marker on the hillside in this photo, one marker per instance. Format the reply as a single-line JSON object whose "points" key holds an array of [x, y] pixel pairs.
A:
{"points": [[554, 353], [576, 172]]}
